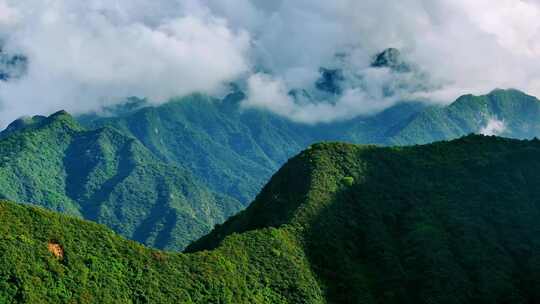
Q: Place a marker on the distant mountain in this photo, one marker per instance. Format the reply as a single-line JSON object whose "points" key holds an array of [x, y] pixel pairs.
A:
{"points": [[391, 58], [235, 151], [105, 176], [194, 161], [450, 222], [515, 114], [12, 66], [330, 81]]}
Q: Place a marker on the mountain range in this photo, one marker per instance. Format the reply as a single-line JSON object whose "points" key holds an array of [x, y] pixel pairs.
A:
{"points": [[105, 176], [449, 222], [235, 150], [165, 175]]}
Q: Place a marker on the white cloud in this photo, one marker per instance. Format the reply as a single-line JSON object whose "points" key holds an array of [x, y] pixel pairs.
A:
{"points": [[465, 46], [493, 127], [514, 23], [8, 16], [84, 54], [265, 92]]}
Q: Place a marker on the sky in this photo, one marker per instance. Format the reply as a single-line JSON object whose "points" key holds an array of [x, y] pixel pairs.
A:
{"points": [[84, 55]]}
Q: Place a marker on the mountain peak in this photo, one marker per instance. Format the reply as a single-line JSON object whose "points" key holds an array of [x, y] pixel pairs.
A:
{"points": [[60, 113], [504, 95], [64, 119], [12, 66], [23, 122], [390, 58], [499, 91], [330, 81], [38, 121]]}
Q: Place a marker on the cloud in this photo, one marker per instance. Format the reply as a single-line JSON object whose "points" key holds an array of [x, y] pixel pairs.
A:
{"points": [[493, 127], [464, 46], [266, 92], [8, 16], [86, 54]]}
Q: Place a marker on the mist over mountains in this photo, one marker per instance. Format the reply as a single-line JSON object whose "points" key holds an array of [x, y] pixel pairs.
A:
{"points": [[254, 151], [165, 175], [235, 150], [12, 66], [86, 56]]}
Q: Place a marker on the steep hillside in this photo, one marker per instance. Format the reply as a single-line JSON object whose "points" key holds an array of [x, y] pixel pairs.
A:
{"points": [[51, 258], [234, 150], [450, 222], [223, 149], [106, 177]]}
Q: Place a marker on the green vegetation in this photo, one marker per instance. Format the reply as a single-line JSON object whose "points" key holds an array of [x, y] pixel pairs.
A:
{"points": [[195, 161], [450, 222], [99, 267], [106, 177], [232, 151], [469, 114], [348, 180], [235, 151]]}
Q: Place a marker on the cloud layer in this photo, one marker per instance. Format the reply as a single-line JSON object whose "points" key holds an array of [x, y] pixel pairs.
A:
{"points": [[493, 127], [86, 54]]}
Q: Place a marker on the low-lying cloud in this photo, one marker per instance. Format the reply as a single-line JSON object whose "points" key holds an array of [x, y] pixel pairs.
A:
{"points": [[87, 54], [83, 55], [266, 92], [493, 127]]}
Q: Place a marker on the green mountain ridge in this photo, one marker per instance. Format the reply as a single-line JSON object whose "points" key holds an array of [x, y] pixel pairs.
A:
{"points": [[449, 222], [105, 176], [235, 151], [518, 112], [188, 157], [232, 151]]}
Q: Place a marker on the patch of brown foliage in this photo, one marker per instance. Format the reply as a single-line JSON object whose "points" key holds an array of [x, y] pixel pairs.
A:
{"points": [[159, 256], [56, 249]]}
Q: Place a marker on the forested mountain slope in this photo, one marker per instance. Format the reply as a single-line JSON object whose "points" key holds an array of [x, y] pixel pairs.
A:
{"points": [[449, 222], [105, 176], [235, 150], [508, 113]]}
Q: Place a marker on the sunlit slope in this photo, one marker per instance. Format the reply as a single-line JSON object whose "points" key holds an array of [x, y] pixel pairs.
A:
{"points": [[97, 266], [105, 176], [450, 222]]}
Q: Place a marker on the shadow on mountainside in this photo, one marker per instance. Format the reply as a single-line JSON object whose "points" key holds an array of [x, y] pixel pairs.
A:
{"points": [[445, 223]]}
